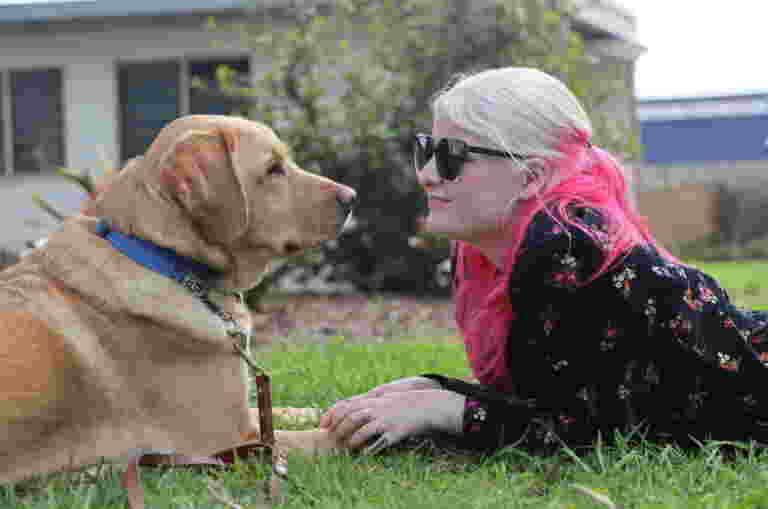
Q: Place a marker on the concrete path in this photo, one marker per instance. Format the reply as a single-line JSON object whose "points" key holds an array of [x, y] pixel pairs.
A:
{"points": [[21, 220]]}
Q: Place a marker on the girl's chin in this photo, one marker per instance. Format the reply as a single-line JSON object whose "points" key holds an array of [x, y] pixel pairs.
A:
{"points": [[447, 227], [437, 225]]}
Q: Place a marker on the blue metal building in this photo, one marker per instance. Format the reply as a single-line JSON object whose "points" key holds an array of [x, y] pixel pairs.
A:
{"points": [[704, 129]]}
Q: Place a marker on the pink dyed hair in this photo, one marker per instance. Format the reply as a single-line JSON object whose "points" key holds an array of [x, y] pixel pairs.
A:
{"points": [[587, 176]]}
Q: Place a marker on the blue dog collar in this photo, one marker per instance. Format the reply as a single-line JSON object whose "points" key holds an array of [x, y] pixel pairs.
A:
{"points": [[162, 260]]}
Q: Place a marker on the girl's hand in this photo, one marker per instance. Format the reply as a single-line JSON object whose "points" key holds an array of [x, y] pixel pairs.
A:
{"points": [[411, 383], [388, 418]]}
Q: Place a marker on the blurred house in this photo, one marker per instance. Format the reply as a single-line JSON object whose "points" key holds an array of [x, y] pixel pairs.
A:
{"points": [[705, 167], [704, 139], [85, 83]]}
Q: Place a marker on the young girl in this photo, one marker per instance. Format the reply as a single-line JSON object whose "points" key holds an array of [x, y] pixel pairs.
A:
{"points": [[576, 322]]}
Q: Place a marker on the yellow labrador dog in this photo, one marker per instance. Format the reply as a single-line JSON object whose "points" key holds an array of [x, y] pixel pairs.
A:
{"points": [[114, 334]]}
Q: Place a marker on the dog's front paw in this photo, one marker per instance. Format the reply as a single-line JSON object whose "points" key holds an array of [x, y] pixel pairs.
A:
{"points": [[314, 441]]}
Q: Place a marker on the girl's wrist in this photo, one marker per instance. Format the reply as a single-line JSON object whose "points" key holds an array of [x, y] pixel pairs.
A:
{"points": [[475, 416]]}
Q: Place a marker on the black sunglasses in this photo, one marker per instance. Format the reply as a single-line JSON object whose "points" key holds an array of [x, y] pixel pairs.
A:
{"points": [[450, 154]]}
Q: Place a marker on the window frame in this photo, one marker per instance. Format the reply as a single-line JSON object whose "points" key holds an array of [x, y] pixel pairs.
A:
{"points": [[184, 81], [7, 133]]}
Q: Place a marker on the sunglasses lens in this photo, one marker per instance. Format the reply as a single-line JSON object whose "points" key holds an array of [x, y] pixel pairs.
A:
{"points": [[449, 167], [450, 155], [450, 158]]}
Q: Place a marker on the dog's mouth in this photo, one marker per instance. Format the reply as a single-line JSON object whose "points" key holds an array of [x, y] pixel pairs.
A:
{"points": [[349, 224], [291, 248]]}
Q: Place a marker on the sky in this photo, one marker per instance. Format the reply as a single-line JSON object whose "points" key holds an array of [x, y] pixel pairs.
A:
{"points": [[701, 47], [694, 47]]}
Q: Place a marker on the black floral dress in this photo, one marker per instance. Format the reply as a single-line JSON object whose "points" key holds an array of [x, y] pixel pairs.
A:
{"points": [[652, 348]]}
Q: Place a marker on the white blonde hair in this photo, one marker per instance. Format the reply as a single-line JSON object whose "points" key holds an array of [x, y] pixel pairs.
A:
{"points": [[517, 109]]}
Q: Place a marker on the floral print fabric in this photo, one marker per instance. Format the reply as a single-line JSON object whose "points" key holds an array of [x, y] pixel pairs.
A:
{"points": [[649, 346]]}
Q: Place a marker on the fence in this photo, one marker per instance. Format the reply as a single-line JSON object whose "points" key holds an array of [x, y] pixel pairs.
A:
{"points": [[681, 214]]}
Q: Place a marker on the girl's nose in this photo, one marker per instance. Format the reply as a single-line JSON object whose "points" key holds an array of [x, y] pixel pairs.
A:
{"points": [[428, 177]]}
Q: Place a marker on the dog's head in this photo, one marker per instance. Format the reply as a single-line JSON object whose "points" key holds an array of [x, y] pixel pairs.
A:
{"points": [[224, 191]]}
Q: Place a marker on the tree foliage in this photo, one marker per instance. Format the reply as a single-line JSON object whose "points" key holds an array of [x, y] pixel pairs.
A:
{"points": [[348, 82]]}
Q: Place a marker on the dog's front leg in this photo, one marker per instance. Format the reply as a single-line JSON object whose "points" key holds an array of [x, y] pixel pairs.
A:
{"points": [[313, 441]]}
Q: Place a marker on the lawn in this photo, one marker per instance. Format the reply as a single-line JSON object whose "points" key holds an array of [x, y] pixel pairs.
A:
{"points": [[317, 370], [746, 282]]}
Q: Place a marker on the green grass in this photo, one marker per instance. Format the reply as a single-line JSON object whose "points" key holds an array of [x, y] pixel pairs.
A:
{"points": [[315, 372], [746, 282]]}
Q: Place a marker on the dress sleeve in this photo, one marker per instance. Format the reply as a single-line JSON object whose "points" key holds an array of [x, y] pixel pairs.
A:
{"points": [[492, 419]]}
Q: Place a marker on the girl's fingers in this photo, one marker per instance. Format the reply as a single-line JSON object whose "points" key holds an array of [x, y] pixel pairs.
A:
{"points": [[353, 422], [333, 415], [339, 411], [377, 436], [329, 419], [325, 419]]}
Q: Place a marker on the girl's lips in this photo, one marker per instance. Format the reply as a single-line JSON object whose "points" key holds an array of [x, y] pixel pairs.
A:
{"points": [[437, 202]]}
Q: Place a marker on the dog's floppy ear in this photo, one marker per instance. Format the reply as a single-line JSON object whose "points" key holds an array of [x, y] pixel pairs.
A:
{"points": [[200, 173], [184, 170]]}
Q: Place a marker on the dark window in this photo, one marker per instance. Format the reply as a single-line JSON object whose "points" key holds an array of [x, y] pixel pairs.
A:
{"points": [[149, 99], [38, 133], [209, 99]]}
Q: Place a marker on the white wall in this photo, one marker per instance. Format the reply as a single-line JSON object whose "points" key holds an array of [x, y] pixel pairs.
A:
{"points": [[89, 64], [90, 114]]}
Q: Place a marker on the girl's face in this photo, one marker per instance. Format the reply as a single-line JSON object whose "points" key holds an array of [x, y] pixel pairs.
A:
{"points": [[473, 207]]}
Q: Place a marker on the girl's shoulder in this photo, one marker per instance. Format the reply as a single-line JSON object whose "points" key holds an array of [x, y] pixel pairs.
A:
{"points": [[579, 223], [562, 250], [567, 248], [573, 250]]}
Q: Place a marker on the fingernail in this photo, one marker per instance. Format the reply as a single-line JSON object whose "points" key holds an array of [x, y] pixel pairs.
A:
{"points": [[379, 444]]}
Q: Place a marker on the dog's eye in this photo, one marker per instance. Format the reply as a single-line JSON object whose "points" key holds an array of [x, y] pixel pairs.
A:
{"points": [[276, 169]]}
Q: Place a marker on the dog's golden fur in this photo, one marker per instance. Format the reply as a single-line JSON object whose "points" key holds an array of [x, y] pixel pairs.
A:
{"points": [[101, 357]]}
